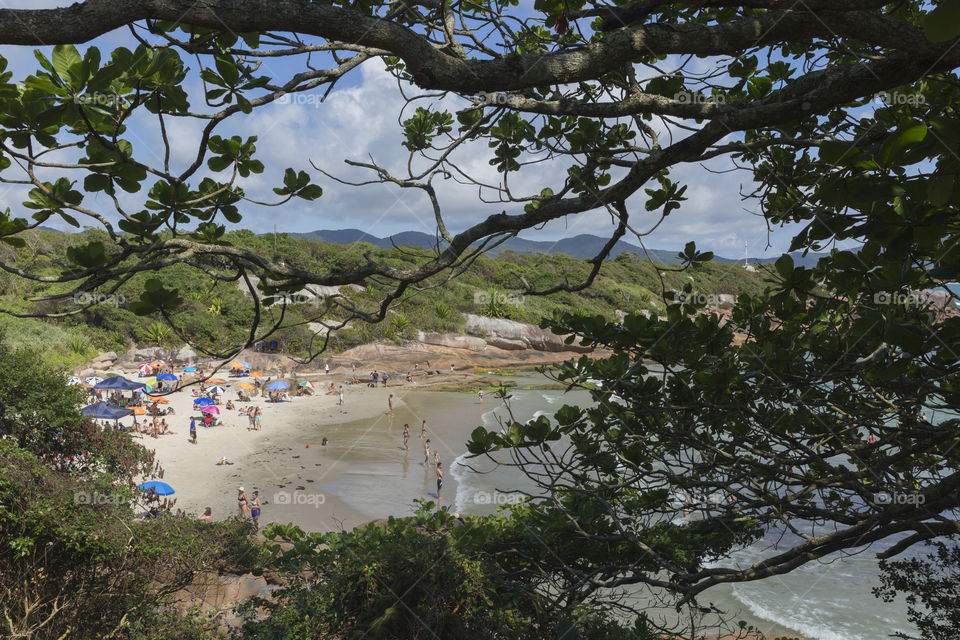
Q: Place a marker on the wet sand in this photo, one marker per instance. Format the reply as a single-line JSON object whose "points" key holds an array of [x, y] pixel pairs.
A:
{"points": [[362, 474]]}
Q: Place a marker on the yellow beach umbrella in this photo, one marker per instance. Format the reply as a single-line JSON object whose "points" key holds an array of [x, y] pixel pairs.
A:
{"points": [[247, 386], [256, 374]]}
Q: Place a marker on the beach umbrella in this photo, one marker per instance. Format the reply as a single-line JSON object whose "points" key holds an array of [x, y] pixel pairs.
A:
{"points": [[157, 487], [279, 384], [105, 411], [245, 365], [158, 399], [117, 383], [210, 409], [215, 381], [307, 384], [93, 380], [202, 402], [73, 380], [239, 364], [148, 388], [217, 391], [256, 374], [189, 369], [157, 364], [166, 376], [144, 369], [139, 411], [247, 386]]}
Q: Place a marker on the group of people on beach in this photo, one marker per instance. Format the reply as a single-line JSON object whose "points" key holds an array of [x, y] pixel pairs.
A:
{"points": [[249, 506], [438, 466]]}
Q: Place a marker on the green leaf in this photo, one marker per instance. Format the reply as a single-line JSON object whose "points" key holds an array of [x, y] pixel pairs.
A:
{"points": [[943, 23], [895, 144]]}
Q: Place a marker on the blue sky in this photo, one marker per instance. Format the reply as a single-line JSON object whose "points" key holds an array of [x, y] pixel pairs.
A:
{"points": [[360, 119]]}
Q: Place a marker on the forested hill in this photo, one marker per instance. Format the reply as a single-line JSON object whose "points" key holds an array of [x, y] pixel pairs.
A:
{"points": [[218, 315], [582, 246]]}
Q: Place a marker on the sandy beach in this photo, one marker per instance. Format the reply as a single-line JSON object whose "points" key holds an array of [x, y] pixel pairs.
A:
{"points": [[362, 474]]}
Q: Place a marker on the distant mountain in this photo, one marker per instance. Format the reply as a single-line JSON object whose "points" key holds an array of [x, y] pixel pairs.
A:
{"points": [[581, 247]]}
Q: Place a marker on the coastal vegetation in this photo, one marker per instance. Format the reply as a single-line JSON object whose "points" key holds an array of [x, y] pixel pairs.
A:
{"points": [[831, 425], [489, 287]]}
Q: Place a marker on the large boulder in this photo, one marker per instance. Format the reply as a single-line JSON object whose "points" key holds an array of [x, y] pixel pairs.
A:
{"points": [[147, 354], [531, 335], [105, 358], [506, 343], [452, 340], [185, 354]]}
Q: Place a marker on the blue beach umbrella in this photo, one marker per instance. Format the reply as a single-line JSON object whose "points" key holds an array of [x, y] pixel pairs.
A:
{"points": [[202, 402], [118, 383], [276, 386], [245, 365], [189, 369], [159, 488], [105, 411], [166, 376]]}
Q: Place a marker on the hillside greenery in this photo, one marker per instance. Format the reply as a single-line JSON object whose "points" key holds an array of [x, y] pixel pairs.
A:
{"points": [[216, 315]]}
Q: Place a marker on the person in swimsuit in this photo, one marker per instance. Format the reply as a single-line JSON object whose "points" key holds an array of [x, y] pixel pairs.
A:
{"points": [[255, 509], [426, 453], [390, 405], [341, 395], [193, 430], [439, 479], [324, 442], [242, 502], [480, 395], [406, 437], [258, 419], [423, 429], [207, 515], [436, 457]]}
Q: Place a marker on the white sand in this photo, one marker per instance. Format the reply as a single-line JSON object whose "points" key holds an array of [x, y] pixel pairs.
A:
{"points": [[193, 472]]}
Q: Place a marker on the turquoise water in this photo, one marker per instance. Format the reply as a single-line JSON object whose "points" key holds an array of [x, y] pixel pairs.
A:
{"points": [[829, 599]]}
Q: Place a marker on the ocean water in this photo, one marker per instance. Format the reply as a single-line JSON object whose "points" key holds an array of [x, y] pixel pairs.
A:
{"points": [[829, 599]]}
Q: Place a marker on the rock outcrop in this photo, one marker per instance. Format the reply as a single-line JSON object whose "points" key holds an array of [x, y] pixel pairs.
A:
{"points": [[452, 340], [532, 336]]}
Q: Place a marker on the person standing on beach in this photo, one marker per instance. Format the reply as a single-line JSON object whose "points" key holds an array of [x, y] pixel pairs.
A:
{"points": [[258, 419], [193, 430], [436, 457], [406, 436], [390, 405], [255, 509], [326, 369], [451, 367], [384, 377], [242, 503], [439, 480], [341, 395], [480, 394], [426, 453], [423, 430]]}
